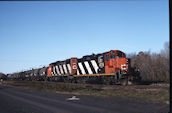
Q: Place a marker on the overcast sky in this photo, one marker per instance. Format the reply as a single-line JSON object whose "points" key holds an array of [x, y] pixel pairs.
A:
{"points": [[34, 34]]}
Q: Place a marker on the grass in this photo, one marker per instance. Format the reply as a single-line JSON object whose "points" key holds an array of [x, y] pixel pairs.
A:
{"points": [[95, 90]]}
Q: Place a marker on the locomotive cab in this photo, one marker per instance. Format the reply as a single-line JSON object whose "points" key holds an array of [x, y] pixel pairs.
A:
{"points": [[115, 61]]}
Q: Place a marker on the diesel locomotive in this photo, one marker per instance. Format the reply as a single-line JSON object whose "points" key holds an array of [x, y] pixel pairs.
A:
{"points": [[110, 67]]}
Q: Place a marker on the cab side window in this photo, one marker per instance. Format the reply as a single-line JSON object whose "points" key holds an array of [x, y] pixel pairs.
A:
{"points": [[107, 57], [119, 54], [112, 55], [124, 55]]}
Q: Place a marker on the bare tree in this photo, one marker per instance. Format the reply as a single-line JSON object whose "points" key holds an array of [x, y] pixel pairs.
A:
{"points": [[165, 52], [153, 67]]}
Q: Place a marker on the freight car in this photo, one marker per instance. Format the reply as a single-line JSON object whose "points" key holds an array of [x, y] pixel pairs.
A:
{"points": [[110, 67], [38, 74]]}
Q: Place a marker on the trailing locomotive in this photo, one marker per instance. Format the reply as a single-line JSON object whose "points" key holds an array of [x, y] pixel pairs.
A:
{"points": [[110, 67]]}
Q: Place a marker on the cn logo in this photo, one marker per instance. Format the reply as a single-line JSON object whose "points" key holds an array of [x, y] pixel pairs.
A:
{"points": [[74, 67], [123, 66]]}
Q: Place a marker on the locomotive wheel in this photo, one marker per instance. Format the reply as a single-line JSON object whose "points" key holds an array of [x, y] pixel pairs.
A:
{"points": [[74, 80], [130, 83], [106, 81], [124, 81]]}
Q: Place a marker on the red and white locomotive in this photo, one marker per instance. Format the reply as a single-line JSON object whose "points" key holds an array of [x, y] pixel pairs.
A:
{"points": [[110, 67]]}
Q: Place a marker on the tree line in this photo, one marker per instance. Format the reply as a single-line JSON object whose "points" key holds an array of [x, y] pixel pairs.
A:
{"points": [[153, 67]]}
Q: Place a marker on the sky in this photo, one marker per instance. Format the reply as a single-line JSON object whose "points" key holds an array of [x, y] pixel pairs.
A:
{"points": [[35, 34]]}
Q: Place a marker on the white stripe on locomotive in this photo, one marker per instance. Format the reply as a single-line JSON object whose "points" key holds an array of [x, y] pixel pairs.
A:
{"points": [[69, 68], [54, 73], [78, 72], [64, 67], [94, 65], [61, 69], [57, 69], [82, 68], [88, 67]]}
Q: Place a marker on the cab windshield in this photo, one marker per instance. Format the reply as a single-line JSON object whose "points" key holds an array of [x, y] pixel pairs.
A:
{"points": [[116, 55], [120, 55]]}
